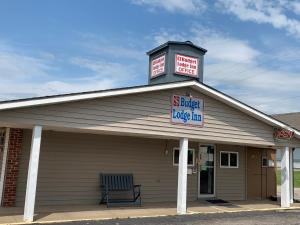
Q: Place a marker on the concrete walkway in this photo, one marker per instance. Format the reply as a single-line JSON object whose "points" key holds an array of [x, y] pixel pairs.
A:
{"points": [[80, 213]]}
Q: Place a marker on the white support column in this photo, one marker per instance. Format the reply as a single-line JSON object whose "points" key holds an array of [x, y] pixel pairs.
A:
{"points": [[182, 176], [4, 160], [32, 174], [291, 160], [285, 177]]}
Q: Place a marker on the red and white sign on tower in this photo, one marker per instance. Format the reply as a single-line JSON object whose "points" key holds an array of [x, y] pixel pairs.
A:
{"points": [[158, 66], [186, 65]]}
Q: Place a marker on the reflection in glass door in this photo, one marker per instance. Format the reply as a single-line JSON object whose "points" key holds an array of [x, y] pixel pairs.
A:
{"points": [[206, 171]]}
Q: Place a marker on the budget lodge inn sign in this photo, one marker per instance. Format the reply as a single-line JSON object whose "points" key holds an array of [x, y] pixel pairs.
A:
{"points": [[187, 110]]}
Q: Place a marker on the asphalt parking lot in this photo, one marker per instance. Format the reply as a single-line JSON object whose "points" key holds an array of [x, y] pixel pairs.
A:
{"points": [[251, 218]]}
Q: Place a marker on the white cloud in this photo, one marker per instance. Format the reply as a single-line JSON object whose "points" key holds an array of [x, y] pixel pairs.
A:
{"points": [[13, 65], [276, 13], [164, 36], [15, 89], [223, 47], [295, 6], [220, 46], [106, 70], [270, 90], [105, 46], [25, 75], [178, 6]]}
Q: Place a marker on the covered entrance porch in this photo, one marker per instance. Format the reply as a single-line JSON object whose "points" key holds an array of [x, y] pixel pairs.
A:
{"points": [[176, 175]]}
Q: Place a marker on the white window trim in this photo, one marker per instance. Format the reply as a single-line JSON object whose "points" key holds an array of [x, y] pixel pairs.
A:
{"points": [[230, 167], [190, 149]]}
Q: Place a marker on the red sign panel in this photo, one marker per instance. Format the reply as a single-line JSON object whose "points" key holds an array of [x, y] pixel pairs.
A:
{"points": [[158, 66], [186, 65], [283, 134]]}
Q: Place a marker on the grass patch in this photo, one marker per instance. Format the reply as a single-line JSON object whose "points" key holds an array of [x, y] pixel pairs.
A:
{"points": [[296, 178]]}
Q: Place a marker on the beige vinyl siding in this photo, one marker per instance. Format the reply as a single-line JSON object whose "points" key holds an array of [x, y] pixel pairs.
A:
{"points": [[70, 165], [231, 182], [147, 114]]}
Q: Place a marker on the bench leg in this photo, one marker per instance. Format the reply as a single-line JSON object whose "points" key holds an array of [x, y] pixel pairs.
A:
{"points": [[138, 198]]}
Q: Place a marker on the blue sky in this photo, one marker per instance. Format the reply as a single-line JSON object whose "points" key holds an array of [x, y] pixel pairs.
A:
{"points": [[61, 46]]}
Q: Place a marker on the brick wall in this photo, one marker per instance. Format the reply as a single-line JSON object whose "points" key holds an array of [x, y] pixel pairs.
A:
{"points": [[12, 167]]}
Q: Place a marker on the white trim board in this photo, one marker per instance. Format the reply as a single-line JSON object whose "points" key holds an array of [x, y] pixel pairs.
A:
{"points": [[4, 160], [110, 93]]}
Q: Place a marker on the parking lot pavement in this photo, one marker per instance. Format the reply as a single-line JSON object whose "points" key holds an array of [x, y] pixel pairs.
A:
{"points": [[251, 218]]}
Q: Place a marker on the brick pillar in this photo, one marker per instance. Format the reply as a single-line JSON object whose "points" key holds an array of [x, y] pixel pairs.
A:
{"points": [[12, 167]]}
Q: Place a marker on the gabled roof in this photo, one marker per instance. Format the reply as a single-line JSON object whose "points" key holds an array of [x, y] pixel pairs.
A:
{"points": [[203, 88], [293, 119], [176, 43]]}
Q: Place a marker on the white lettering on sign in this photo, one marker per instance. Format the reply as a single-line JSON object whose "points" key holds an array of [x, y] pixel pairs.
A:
{"points": [[187, 110], [186, 65], [158, 66]]}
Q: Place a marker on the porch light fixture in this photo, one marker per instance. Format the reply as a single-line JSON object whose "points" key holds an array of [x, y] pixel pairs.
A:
{"points": [[166, 150]]}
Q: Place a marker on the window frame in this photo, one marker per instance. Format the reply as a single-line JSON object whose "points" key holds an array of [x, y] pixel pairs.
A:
{"points": [[189, 149], [229, 166]]}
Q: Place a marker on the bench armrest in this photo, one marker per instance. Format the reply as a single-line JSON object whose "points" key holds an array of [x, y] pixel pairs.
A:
{"points": [[137, 185]]}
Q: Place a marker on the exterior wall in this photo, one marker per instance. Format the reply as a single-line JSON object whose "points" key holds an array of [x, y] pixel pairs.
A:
{"points": [[70, 165], [147, 114], [231, 182], [12, 167]]}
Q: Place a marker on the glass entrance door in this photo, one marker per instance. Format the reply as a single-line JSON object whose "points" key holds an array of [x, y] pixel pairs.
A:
{"points": [[206, 168]]}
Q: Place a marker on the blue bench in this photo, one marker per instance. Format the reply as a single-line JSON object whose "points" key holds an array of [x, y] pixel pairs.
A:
{"points": [[122, 185]]}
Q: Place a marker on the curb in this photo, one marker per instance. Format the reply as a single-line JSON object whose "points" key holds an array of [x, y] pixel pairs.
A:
{"points": [[153, 216]]}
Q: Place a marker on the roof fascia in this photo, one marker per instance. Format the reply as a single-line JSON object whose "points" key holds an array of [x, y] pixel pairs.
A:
{"points": [[86, 96]]}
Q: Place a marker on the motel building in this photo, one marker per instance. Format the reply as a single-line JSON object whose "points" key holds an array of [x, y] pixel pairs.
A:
{"points": [[183, 141]]}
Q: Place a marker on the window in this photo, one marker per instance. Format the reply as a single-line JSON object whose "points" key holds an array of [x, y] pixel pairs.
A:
{"points": [[190, 160], [264, 161], [229, 159]]}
